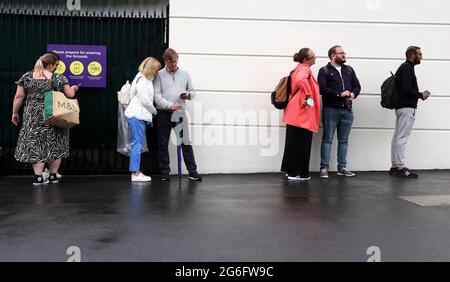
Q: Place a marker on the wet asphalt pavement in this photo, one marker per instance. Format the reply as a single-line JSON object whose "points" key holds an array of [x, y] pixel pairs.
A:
{"points": [[253, 217]]}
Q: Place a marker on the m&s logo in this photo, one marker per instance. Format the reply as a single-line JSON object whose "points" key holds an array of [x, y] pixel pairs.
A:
{"points": [[68, 106]]}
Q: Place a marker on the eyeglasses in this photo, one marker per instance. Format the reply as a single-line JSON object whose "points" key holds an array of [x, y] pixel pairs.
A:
{"points": [[341, 53]]}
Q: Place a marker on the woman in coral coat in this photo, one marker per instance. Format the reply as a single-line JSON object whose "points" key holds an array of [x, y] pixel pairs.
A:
{"points": [[301, 116]]}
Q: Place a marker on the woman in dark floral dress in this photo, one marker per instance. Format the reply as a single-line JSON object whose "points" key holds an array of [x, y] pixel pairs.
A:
{"points": [[38, 143]]}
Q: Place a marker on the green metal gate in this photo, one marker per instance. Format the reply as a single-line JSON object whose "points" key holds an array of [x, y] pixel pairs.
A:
{"points": [[24, 37]]}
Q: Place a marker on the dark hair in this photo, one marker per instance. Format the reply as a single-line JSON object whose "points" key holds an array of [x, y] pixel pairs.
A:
{"points": [[411, 51], [302, 55], [333, 50]]}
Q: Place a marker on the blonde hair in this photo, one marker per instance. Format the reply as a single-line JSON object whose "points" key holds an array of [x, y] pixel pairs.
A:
{"points": [[44, 61], [149, 67]]}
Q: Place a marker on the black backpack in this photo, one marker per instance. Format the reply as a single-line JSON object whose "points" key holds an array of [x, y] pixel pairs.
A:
{"points": [[389, 93], [280, 97]]}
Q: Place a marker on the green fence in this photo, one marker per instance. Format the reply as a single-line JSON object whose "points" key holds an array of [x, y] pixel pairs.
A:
{"points": [[93, 143]]}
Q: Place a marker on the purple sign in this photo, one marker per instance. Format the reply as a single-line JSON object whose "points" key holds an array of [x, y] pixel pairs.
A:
{"points": [[85, 64]]}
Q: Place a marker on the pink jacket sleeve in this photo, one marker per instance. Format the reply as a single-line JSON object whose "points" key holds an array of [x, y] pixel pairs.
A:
{"points": [[301, 81]]}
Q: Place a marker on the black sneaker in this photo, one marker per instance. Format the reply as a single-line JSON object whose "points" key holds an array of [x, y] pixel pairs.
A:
{"points": [[195, 176], [39, 180], [165, 178], [52, 178], [405, 172], [393, 171]]}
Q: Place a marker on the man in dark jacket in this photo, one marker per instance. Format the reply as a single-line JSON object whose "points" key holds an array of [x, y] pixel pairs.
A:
{"points": [[405, 111], [339, 86]]}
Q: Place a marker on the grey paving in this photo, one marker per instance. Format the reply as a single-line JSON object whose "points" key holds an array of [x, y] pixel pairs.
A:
{"points": [[255, 217]]}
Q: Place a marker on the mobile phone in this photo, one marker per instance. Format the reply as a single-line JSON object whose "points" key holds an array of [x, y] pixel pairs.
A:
{"points": [[183, 95]]}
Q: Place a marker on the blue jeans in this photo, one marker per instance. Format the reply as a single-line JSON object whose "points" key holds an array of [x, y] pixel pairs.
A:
{"points": [[137, 134], [332, 119]]}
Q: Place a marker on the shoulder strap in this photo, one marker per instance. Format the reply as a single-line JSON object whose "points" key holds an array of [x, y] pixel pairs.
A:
{"points": [[309, 76], [56, 82], [292, 96], [137, 76], [133, 86]]}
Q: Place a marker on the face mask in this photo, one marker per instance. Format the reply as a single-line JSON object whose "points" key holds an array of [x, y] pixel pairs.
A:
{"points": [[310, 102]]}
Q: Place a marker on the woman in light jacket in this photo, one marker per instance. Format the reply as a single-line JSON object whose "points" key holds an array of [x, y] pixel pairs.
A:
{"points": [[140, 112], [301, 116]]}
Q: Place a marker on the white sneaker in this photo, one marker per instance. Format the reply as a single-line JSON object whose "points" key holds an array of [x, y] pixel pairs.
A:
{"points": [[141, 177], [298, 178], [46, 174]]}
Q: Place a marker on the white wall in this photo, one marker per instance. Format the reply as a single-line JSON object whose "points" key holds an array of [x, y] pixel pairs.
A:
{"points": [[236, 51]]}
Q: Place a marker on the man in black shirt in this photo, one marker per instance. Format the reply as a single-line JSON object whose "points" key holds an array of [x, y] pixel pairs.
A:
{"points": [[405, 111]]}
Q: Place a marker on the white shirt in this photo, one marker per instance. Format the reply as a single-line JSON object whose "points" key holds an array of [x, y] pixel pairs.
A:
{"points": [[340, 73], [141, 105]]}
